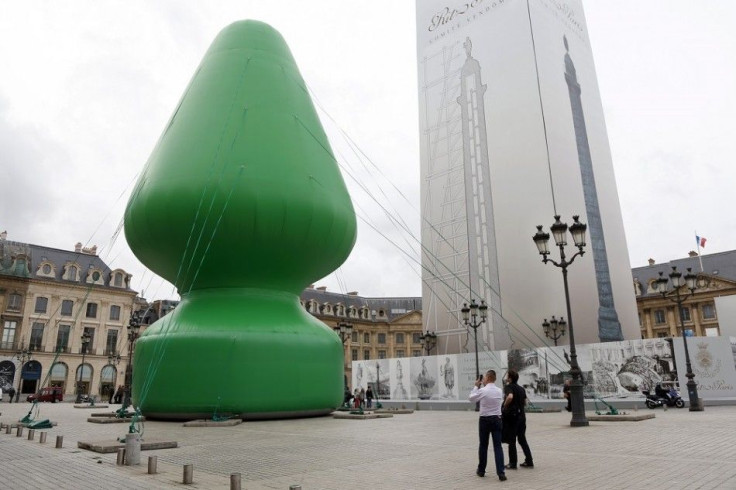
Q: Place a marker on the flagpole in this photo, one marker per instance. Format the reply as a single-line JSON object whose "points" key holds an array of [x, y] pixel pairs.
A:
{"points": [[700, 259]]}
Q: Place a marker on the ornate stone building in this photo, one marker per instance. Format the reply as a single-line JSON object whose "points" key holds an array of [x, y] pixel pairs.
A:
{"points": [[658, 316], [49, 299]]}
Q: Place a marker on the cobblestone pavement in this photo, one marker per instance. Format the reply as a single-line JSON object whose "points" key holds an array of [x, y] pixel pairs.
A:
{"points": [[426, 449]]}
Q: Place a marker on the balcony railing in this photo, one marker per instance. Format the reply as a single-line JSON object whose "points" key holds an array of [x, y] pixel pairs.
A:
{"points": [[8, 345]]}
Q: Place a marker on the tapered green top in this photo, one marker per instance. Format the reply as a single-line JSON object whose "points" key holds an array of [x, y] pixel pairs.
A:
{"points": [[242, 189]]}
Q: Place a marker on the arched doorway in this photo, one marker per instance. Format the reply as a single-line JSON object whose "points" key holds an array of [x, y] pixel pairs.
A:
{"points": [[83, 378], [30, 377], [58, 375], [7, 375], [108, 376]]}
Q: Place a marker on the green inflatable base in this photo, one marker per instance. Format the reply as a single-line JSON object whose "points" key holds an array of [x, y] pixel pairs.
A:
{"points": [[251, 353]]}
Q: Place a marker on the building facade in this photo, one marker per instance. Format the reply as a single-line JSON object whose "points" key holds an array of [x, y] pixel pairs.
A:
{"points": [[658, 316], [49, 300], [382, 328]]}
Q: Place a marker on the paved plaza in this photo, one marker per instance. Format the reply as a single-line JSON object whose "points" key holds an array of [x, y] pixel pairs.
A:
{"points": [[423, 450]]}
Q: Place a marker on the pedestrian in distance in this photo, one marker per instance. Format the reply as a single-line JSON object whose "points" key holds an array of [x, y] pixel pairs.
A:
{"points": [[369, 397], [566, 394], [489, 398], [11, 394], [514, 421]]}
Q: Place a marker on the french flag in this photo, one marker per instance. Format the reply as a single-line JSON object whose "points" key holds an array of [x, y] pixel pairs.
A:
{"points": [[700, 241]]}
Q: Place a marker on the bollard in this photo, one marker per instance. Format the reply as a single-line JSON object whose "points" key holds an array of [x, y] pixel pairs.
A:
{"points": [[8, 429], [295, 487], [120, 461], [42, 439], [59, 441], [188, 474], [132, 449], [234, 481], [152, 464], [31, 434], [19, 431]]}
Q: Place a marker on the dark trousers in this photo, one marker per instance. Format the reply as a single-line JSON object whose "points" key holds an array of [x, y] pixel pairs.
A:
{"points": [[519, 434], [490, 427]]}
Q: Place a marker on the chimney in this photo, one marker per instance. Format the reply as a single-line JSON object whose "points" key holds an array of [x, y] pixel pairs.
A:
{"points": [[651, 261], [311, 286], [692, 253], [78, 247], [322, 288], [353, 293], [4, 235]]}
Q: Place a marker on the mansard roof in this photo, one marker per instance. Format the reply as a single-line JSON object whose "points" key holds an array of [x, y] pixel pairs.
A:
{"points": [[37, 255], [394, 307], [718, 265]]}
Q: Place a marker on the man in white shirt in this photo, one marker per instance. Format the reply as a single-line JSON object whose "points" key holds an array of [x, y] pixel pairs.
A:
{"points": [[490, 398]]}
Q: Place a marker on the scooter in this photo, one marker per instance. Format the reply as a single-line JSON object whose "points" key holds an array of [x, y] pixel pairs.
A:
{"points": [[672, 399]]}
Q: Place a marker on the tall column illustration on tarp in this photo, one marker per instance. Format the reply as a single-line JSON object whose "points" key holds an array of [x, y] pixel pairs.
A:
{"points": [[241, 205], [483, 269], [609, 328]]}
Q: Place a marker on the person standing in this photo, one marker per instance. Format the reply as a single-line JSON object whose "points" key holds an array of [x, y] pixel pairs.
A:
{"points": [[369, 397], [514, 421], [489, 398], [566, 394]]}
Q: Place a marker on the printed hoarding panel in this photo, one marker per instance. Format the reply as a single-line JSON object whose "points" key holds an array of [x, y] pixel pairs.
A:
{"points": [[613, 370], [512, 132], [712, 362]]}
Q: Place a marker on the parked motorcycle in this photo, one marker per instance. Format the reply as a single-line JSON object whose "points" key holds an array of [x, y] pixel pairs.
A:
{"points": [[662, 397]]}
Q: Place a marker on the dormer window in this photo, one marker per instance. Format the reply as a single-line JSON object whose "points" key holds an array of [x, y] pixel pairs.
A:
{"points": [[117, 280], [94, 276], [46, 269], [71, 272], [313, 307]]}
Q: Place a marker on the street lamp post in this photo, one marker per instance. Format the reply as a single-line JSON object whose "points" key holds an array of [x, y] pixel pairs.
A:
{"points": [[552, 327], [429, 341], [85, 341], [541, 239], [690, 281], [344, 330], [134, 326], [378, 381], [470, 318], [113, 359], [23, 355]]}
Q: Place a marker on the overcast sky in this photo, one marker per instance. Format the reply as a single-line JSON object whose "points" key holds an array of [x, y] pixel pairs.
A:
{"points": [[87, 87]]}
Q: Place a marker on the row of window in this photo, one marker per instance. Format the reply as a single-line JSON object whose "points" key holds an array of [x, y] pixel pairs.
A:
{"points": [[71, 273], [708, 313], [15, 301], [35, 343], [364, 312], [381, 338], [382, 354]]}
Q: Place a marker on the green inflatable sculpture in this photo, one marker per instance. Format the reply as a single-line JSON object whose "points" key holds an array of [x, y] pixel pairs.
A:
{"points": [[241, 206]]}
